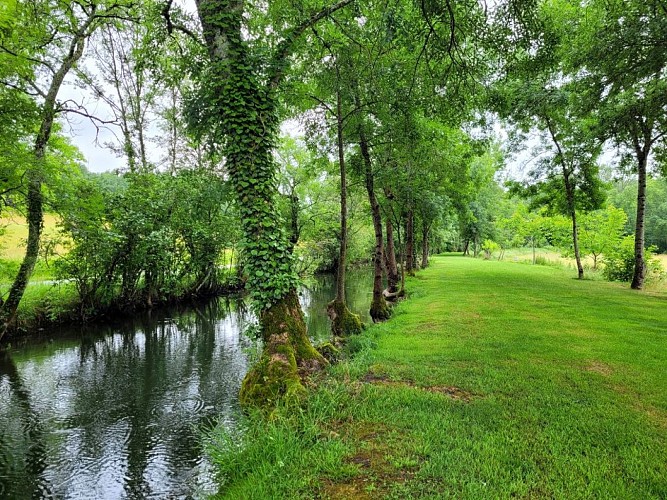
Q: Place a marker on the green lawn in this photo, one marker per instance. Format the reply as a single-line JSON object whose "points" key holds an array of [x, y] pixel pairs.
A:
{"points": [[494, 380]]}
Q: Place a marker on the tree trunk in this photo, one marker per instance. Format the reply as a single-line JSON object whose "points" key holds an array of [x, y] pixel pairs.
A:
{"points": [[569, 195], [343, 321], [379, 309], [640, 265], [392, 267], [294, 219], [425, 230], [287, 353], [246, 119], [410, 243], [569, 191], [35, 201]]}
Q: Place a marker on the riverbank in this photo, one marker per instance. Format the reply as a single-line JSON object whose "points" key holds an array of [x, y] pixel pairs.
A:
{"points": [[118, 409], [55, 304], [494, 380]]}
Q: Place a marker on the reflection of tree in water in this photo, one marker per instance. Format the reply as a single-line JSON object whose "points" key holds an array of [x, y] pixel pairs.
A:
{"points": [[120, 411], [137, 398], [22, 448], [315, 297]]}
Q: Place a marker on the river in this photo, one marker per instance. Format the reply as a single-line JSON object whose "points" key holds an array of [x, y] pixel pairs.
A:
{"points": [[119, 411]]}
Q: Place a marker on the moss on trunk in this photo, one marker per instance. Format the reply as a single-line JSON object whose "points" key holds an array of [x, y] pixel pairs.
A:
{"points": [[380, 310], [343, 321], [330, 352], [288, 356]]}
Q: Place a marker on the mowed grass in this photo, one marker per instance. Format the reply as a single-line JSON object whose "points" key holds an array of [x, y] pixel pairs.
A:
{"points": [[494, 380]]}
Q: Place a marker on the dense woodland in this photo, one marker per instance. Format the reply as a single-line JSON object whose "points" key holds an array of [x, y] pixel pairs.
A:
{"points": [[421, 127]]}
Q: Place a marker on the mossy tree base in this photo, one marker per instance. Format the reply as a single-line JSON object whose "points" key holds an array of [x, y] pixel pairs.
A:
{"points": [[380, 311], [343, 321], [330, 351], [287, 357]]}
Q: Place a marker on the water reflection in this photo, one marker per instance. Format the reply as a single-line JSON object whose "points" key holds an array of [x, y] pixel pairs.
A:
{"points": [[118, 411]]}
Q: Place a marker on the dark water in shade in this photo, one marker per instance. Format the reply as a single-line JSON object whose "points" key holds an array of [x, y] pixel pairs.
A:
{"points": [[118, 411]]}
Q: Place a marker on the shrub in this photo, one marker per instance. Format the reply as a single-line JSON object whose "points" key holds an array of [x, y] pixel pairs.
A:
{"points": [[619, 264], [489, 246]]}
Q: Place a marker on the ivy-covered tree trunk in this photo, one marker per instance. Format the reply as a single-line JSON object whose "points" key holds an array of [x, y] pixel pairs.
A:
{"points": [[640, 265], [242, 111], [379, 309], [343, 321]]}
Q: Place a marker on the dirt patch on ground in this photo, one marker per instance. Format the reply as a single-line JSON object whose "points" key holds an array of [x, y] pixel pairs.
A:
{"points": [[452, 392], [339, 491], [601, 368], [374, 461]]}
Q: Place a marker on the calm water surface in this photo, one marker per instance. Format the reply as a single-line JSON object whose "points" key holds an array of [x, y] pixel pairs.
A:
{"points": [[118, 411]]}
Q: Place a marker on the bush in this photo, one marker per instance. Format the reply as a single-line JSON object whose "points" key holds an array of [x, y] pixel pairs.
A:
{"points": [[489, 246], [619, 264]]}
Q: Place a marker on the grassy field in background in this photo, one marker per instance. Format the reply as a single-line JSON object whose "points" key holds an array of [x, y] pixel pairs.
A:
{"points": [[15, 234], [493, 380]]}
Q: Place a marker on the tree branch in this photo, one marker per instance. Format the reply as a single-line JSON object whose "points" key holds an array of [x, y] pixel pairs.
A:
{"points": [[171, 26], [279, 59]]}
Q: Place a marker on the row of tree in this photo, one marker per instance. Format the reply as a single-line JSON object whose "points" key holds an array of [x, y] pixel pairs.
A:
{"points": [[395, 99]]}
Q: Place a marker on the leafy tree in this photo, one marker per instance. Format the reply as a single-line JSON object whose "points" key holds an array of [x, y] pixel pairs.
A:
{"points": [[601, 232], [525, 226], [46, 40], [248, 56], [616, 51], [477, 212], [536, 95], [135, 241]]}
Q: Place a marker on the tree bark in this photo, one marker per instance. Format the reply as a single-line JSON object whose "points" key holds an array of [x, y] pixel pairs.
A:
{"points": [[569, 190], [425, 231], [246, 116], [410, 243], [392, 266], [379, 309], [640, 265], [343, 321], [294, 218], [569, 196]]}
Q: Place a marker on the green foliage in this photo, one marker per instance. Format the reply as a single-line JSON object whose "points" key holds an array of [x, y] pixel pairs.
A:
{"points": [[600, 232], [489, 247], [623, 194], [138, 241], [619, 262]]}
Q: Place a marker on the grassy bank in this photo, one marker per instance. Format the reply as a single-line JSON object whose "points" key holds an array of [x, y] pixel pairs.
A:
{"points": [[494, 380]]}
